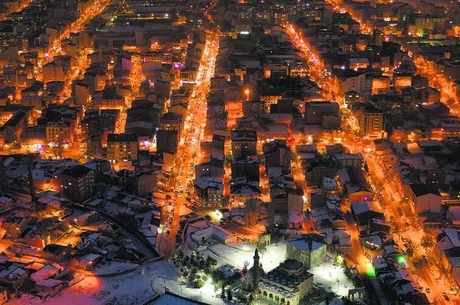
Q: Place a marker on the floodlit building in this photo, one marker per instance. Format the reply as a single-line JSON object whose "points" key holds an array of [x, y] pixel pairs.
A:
{"points": [[308, 249], [370, 121], [286, 284]]}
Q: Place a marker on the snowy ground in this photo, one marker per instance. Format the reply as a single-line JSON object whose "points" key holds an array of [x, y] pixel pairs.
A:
{"points": [[167, 277], [137, 284], [237, 255], [331, 280], [111, 268], [130, 288]]}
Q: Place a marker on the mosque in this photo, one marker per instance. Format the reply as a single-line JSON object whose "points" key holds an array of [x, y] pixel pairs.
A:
{"points": [[286, 284]]}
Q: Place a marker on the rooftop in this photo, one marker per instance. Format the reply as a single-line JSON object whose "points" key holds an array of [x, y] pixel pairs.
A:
{"points": [[77, 171], [307, 242], [122, 137]]}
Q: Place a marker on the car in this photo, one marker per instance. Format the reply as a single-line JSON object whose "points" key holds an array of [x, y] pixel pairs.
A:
{"points": [[444, 294]]}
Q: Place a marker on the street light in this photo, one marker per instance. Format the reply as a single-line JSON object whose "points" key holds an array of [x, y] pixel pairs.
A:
{"points": [[247, 92]]}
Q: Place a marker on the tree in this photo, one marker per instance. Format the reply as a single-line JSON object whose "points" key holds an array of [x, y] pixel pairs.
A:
{"points": [[427, 241], [222, 294], [201, 264], [411, 248], [229, 294], [396, 230], [409, 251], [198, 283], [245, 266]]}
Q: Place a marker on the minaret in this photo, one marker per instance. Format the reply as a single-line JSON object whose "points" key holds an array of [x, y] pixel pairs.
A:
{"points": [[255, 280]]}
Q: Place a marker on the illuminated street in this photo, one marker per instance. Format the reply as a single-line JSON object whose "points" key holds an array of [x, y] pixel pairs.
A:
{"points": [[229, 152], [189, 144]]}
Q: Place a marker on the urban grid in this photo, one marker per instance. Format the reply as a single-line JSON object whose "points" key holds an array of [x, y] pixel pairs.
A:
{"points": [[294, 152]]}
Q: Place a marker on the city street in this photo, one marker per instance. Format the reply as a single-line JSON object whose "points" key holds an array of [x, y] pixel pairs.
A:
{"points": [[389, 198], [189, 149]]}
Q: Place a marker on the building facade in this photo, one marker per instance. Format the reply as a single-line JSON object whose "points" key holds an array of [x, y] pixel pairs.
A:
{"points": [[122, 147], [78, 182]]}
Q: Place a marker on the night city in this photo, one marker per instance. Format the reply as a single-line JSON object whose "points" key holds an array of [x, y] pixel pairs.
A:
{"points": [[291, 152]]}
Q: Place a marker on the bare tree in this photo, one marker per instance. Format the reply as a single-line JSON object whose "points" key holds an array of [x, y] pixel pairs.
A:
{"points": [[427, 242]]}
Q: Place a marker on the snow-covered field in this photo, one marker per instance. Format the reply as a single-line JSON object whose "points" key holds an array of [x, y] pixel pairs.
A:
{"points": [[110, 268], [130, 288]]}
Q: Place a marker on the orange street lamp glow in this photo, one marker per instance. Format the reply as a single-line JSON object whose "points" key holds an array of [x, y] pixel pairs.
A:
{"points": [[247, 92]]}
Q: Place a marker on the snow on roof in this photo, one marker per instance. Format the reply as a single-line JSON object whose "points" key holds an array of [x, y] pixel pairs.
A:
{"points": [[276, 289], [275, 129], [344, 156], [307, 242], [12, 272], [403, 273], [329, 182], [380, 263], [328, 233], [34, 266], [390, 249], [453, 236], [360, 207], [44, 273], [405, 288], [228, 270], [343, 175], [151, 231], [354, 60], [126, 199], [274, 171], [245, 189], [94, 202], [380, 221], [372, 239], [145, 218], [49, 282], [454, 261], [209, 182], [237, 211], [89, 258], [295, 217], [199, 224]]}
